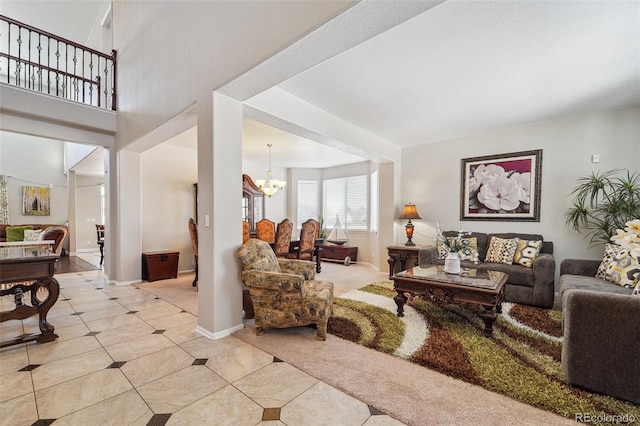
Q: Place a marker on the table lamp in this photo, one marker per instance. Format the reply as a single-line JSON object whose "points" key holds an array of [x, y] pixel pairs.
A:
{"points": [[409, 211]]}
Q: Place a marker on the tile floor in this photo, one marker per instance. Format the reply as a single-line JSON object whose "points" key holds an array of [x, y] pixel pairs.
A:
{"points": [[125, 356]]}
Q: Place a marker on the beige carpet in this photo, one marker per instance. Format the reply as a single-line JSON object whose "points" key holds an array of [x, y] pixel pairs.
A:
{"points": [[411, 393]]}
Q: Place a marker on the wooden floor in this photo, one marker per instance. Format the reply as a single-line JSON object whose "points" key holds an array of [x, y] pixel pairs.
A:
{"points": [[68, 264]]}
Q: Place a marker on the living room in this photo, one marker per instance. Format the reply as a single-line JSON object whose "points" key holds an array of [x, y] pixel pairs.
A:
{"points": [[571, 132]]}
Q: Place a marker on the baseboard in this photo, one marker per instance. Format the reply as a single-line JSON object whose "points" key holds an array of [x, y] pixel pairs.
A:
{"points": [[87, 250], [220, 334], [123, 283], [186, 271]]}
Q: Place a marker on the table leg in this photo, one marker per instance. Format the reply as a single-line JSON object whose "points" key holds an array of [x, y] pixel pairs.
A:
{"points": [[489, 317], [392, 265], [46, 328], [318, 251], [400, 300]]}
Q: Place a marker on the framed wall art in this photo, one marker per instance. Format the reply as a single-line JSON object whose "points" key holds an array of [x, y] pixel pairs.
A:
{"points": [[36, 201], [503, 187]]}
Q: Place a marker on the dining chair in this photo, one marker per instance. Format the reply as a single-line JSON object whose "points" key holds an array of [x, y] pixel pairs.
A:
{"points": [[193, 233], [308, 235], [283, 238], [245, 232], [266, 230], [100, 234]]}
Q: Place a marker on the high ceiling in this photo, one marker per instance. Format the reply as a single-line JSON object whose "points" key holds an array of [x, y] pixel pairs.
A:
{"points": [[458, 69]]}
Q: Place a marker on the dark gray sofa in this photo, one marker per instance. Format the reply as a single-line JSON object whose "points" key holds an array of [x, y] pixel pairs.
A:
{"points": [[530, 286], [601, 327]]}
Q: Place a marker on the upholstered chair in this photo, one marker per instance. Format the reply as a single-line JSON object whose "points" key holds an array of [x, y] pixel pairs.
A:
{"points": [[245, 232], [308, 235], [100, 241], [283, 291], [283, 238], [266, 230], [193, 233]]}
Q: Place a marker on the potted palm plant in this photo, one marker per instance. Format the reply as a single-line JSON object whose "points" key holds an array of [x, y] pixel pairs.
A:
{"points": [[603, 202]]}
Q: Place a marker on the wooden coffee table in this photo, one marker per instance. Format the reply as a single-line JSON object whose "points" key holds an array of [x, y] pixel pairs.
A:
{"points": [[471, 286]]}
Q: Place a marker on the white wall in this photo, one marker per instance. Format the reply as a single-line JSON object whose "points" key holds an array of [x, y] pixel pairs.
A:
{"points": [[168, 173], [30, 161], [88, 211], [431, 173]]}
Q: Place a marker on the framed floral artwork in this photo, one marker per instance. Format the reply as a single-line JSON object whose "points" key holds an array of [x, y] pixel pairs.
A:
{"points": [[503, 187]]}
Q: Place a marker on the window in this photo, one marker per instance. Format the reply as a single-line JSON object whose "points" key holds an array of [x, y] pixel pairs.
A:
{"points": [[347, 199], [373, 206], [307, 200]]}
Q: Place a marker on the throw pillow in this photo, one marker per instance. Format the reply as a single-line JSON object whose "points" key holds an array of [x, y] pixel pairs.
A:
{"points": [[501, 250], [623, 269], [470, 253], [610, 252], [16, 233], [32, 234], [526, 252]]}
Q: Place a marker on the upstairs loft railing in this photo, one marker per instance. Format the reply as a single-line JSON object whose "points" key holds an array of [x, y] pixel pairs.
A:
{"points": [[37, 60]]}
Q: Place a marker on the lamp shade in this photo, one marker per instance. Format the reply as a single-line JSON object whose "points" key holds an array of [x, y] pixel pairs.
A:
{"points": [[409, 211]]}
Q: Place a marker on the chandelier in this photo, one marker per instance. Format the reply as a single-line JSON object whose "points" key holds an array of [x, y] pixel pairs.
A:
{"points": [[270, 186]]}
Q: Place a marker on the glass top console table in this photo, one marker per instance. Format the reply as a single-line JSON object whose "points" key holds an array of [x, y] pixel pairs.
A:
{"points": [[26, 270]]}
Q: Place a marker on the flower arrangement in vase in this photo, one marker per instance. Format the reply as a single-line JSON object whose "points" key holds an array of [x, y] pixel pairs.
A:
{"points": [[629, 238], [454, 246]]}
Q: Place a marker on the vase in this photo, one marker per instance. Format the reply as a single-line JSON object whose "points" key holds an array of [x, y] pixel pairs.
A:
{"points": [[452, 263]]}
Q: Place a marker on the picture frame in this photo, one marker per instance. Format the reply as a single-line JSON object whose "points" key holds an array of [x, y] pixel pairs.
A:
{"points": [[36, 201], [504, 187]]}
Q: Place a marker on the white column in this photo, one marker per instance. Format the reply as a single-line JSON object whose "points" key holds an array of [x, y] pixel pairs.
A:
{"points": [[71, 214], [219, 215]]}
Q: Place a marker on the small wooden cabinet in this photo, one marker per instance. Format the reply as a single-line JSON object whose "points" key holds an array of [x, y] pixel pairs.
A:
{"points": [[160, 265], [339, 253]]}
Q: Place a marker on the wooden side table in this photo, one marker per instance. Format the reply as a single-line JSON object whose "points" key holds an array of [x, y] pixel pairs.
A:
{"points": [[402, 254]]}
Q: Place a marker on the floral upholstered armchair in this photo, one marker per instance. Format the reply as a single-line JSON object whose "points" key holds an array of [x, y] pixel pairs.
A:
{"points": [[283, 291]]}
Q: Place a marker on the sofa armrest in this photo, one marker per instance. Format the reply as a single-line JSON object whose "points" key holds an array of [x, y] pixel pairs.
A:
{"points": [[301, 267], [584, 267], [427, 256], [544, 271], [276, 281], [600, 332]]}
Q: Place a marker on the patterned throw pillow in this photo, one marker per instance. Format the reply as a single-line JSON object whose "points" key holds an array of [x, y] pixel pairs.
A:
{"points": [[526, 252], [623, 269], [501, 250], [32, 234], [470, 253], [610, 252]]}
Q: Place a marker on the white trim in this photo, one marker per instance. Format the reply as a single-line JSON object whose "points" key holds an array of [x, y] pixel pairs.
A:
{"points": [[220, 334], [118, 283], [88, 250]]}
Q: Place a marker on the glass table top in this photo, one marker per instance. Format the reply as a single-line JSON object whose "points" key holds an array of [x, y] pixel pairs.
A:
{"points": [[468, 276], [24, 253]]}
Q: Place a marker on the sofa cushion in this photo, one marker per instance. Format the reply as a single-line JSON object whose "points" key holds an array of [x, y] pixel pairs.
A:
{"points": [[622, 269], [501, 250], [580, 282], [526, 252], [518, 274], [16, 233]]}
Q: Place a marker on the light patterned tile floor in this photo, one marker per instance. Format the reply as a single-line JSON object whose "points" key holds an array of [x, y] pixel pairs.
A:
{"points": [[125, 356]]}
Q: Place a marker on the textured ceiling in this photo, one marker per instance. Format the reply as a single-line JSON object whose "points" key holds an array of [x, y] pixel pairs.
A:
{"points": [[463, 67]]}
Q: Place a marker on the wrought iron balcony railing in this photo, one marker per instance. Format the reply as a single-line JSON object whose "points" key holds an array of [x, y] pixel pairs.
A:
{"points": [[37, 60]]}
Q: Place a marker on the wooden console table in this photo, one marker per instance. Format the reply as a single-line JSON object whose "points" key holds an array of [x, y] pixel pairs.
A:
{"points": [[24, 270], [401, 255]]}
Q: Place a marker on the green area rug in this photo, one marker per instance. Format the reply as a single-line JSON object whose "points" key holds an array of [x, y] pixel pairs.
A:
{"points": [[521, 361]]}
